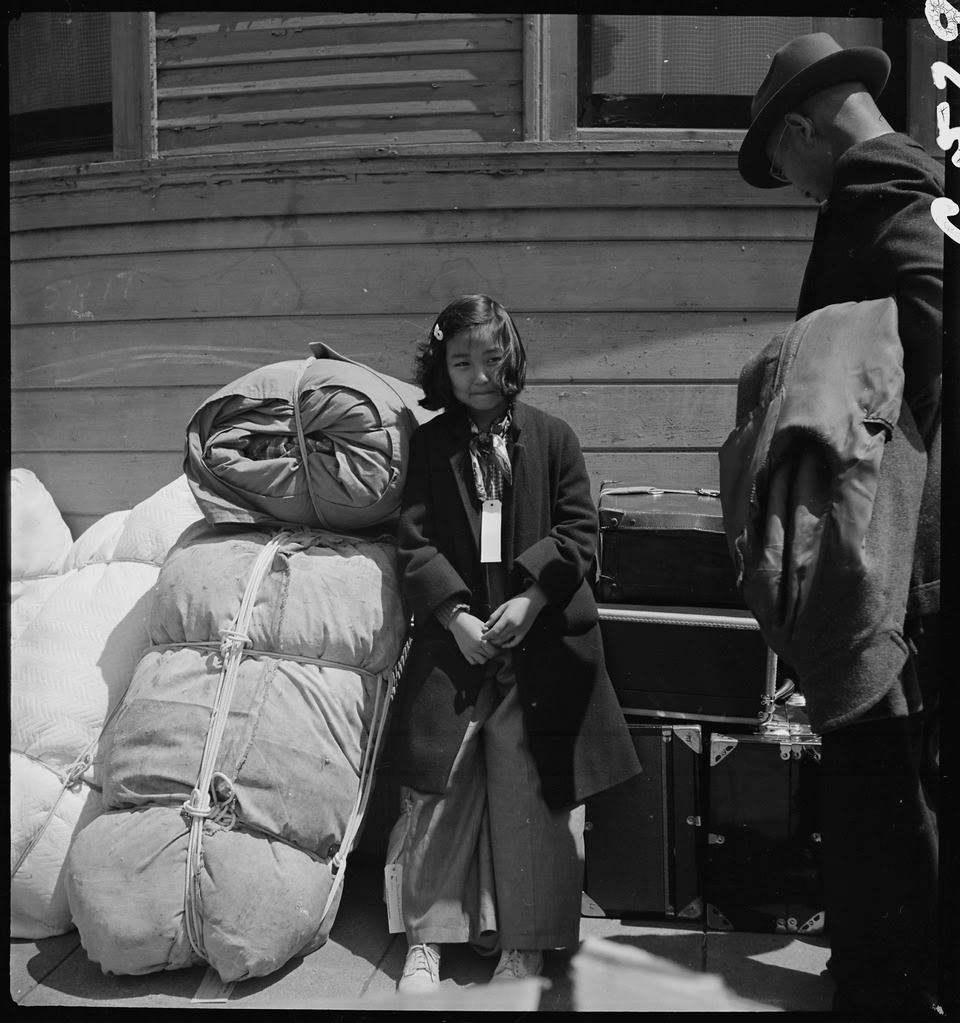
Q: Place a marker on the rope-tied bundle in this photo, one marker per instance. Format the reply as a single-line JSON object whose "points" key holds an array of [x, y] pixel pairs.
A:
{"points": [[199, 807], [213, 798]]}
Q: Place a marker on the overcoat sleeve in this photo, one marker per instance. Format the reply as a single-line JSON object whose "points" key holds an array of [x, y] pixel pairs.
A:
{"points": [[889, 245], [560, 561], [905, 252], [429, 579]]}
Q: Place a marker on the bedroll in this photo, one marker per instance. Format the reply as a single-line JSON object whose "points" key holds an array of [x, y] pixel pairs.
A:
{"points": [[237, 769]]}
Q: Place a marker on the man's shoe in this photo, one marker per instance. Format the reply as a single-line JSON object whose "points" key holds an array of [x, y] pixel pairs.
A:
{"points": [[517, 963], [421, 971]]}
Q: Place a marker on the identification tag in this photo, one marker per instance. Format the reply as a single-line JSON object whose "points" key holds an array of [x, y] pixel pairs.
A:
{"points": [[490, 523], [392, 887]]}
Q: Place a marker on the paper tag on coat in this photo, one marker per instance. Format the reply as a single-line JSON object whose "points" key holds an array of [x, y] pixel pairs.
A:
{"points": [[490, 520], [392, 880]]}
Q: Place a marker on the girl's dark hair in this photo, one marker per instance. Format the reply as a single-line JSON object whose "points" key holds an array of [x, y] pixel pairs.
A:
{"points": [[486, 320]]}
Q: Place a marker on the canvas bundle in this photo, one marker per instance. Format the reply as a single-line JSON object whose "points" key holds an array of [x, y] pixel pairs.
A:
{"points": [[255, 881], [320, 442]]}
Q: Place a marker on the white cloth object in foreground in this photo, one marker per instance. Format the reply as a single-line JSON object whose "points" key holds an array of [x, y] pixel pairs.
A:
{"points": [[78, 641]]}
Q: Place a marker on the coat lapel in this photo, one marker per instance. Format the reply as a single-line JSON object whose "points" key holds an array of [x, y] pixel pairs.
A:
{"points": [[459, 435], [519, 466]]}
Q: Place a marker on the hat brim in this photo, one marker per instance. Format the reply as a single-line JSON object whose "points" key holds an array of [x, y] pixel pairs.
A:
{"points": [[865, 64]]}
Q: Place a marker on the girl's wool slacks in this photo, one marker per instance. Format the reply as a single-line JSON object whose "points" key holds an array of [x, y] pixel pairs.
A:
{"points": [[488, 862]]}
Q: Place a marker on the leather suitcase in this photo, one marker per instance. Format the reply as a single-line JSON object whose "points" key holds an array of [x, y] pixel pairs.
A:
{"points": [[762, 869], [689, 664], [664, 547], [641, 845]]}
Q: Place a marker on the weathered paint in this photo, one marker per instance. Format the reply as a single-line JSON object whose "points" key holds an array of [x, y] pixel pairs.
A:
{"points": [[139, 292]]}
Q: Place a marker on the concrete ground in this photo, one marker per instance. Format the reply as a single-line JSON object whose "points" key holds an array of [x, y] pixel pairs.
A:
{"points": [[648, 965]]}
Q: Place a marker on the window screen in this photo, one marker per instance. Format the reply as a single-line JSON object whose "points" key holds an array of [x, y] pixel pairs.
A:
{"points": [[59, 83], [689, 72]]}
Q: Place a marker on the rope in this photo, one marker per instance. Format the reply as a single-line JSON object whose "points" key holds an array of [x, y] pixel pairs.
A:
{"points": [[301, 437], [222, 809], [199, 807], [252, 651], [387, 381], [302, 440], [371, 755], [71, 777]]}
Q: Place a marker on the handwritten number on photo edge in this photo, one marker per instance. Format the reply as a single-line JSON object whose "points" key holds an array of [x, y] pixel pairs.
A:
{"points": [[947, 136], [938, 11], [940, 210]]}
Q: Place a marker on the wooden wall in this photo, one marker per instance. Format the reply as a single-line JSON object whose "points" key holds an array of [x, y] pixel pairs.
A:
{"points": [[640, 283], [229, 80]]}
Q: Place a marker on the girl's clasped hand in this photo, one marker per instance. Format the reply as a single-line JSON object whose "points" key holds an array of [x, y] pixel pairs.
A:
{"points": [[504, 629]]}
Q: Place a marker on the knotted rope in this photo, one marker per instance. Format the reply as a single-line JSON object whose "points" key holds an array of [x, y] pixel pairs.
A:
{"points": [[71, 777], [200, 806], [253, 651], [371, 754], [213, 798]]}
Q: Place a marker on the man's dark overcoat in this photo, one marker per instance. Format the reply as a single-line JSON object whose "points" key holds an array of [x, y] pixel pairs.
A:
{"points": [[574, 723], [875, 238]]}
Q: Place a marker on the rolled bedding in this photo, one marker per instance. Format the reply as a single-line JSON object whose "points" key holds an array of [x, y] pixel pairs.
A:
{"points": [[79, 628], [320, 442], [233, 770], [40, 539]]}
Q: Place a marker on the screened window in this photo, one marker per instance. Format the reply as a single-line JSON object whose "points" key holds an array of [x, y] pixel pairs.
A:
{"points": [[59, 84], [662, 71]]}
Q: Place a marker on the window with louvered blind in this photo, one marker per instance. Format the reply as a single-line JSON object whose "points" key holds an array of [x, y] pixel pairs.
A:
{"points": [[250, 81]]}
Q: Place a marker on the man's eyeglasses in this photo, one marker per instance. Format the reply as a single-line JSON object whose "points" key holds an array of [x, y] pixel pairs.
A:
{"points": [[775, 171]]}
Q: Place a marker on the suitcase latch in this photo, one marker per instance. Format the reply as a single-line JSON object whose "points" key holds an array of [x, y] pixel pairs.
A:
{"points": [[694, 819]]}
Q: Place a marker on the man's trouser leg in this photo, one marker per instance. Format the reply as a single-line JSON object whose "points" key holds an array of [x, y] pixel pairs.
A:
{"points": [[880, 859]]}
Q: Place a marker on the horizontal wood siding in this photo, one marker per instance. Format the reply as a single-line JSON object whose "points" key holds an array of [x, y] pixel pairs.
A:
{"points": [[147, 418], [237, 80], [407, 279], [640, 285], [628, 183]]}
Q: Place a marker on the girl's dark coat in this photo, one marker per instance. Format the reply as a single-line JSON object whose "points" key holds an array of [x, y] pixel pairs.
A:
{"points": [[575, 726]]}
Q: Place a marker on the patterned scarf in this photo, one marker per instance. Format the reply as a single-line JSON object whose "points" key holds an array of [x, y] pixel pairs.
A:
{"points": [[492, 473]]}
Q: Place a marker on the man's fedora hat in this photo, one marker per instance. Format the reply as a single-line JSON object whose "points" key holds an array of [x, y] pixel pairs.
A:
{"points": [[800, 69]]}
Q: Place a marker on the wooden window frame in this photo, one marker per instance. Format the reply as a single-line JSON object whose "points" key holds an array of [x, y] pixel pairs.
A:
{"points": [[549, 93], [132, 88], [551, 71], [134, 78]]}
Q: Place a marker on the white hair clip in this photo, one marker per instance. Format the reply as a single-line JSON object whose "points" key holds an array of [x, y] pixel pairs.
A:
{"points": [[437, 332]]}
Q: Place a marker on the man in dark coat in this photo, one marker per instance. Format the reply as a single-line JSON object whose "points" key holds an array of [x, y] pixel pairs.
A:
{"points": [[816, 125]]}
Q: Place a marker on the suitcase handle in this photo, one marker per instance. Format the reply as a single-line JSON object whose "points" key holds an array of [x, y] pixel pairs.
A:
{"points": [[719, 618], [609, 488]]}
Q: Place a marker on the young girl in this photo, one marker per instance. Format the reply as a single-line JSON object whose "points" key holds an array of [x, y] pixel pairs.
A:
{"points": [[505, 719]]}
